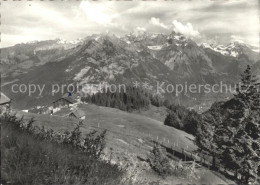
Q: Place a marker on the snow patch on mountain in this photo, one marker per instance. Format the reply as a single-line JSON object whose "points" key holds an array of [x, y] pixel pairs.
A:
{"points": [[180, 38], [221, 49], [82, 72], [154, 36], [234, 54], [63, 41], [97, 38], [256, 50], [224, 50], [158, 47], [68, 70], [234, 49]]}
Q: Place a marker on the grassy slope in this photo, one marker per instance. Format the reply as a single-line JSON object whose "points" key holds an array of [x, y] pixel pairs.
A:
{"points": [[121, 125], [129, 134], [157, 113], [27, 159]]}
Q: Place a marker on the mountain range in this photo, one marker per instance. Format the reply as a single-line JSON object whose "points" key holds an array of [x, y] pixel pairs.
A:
{"points": [[107, 58]]}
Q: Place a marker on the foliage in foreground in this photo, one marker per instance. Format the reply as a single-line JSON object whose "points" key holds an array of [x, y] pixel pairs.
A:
{"points": [[230, 131], [35, 156], [164, 166], [159, 162]]}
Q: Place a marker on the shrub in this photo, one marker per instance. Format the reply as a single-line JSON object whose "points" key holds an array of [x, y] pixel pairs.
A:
{"points": [[187, 170], [181, 118], [159, 162], [163, 166], [94, 146], [173, 121], [191, 122]]}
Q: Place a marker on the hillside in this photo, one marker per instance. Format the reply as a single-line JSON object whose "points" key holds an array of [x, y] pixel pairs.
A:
{"points": [[21, 58], [129, 139], [36, 157]]}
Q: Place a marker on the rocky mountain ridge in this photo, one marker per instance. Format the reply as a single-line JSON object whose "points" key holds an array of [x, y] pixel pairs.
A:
{"points": [[107, 58]]}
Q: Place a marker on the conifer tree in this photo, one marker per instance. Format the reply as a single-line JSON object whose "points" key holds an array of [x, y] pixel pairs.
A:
{"points": [[238, 134], [230, 131]]}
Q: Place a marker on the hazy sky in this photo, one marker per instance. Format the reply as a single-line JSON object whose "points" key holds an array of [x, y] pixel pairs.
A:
{"points": [[221, 20]]}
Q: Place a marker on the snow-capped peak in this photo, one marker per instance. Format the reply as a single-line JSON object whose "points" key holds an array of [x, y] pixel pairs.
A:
{"points": [[224, 50], [63, 41], [234, 48]]}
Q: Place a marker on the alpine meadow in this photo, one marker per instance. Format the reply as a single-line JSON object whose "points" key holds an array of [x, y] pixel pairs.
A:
{"points": [[130, 92]]}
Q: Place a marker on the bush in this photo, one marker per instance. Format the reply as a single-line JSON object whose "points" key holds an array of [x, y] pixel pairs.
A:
{"points": [[173, 121], [163, 166], [181, 118], [43, 157], [191, 122], [159, 162]]}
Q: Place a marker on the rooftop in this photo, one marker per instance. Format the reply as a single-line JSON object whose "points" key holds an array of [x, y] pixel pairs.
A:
{"points": [[4, 99], [78, 113], [69, 97]]}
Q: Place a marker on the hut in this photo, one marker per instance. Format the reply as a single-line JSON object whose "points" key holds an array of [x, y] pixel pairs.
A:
{"points": [[65, 101], [78, 114]]}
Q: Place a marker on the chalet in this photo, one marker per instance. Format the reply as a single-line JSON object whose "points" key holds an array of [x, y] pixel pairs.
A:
{"points": [[78, 114], [65, 101], [5, 102]]}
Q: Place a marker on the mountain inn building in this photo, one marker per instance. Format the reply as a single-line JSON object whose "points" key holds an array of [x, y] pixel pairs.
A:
{"points": [[77, 114], [65, 101]]}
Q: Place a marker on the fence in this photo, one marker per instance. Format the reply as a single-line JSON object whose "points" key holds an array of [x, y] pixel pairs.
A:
{"points": [[173, 149], [202, 159]]}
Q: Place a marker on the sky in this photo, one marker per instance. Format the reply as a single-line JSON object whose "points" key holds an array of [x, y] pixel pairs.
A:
{"points": [[219, 21]]}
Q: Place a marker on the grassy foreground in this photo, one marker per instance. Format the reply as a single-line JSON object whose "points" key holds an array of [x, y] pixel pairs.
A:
{"points": [[29, 159]]}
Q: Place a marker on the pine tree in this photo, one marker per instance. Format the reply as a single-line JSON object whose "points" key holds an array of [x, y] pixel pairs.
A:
{"points": [[205, 135], [248, 90], [238, 134], [191, 122], [230, 131]]}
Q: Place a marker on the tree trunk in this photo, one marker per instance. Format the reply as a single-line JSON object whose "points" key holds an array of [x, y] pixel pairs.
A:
{"points": [[214, 162]]}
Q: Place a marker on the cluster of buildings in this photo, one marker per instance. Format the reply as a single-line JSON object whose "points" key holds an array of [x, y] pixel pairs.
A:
{"points": [[65, 106], [68, 101]]}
